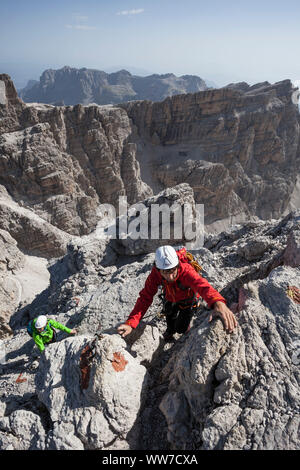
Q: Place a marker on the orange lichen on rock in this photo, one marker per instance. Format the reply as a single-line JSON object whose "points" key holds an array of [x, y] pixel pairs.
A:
{"points": [[119, 362]]}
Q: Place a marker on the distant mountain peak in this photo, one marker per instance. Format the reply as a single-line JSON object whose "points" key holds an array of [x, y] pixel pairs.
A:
{"points": [[72, 86]]}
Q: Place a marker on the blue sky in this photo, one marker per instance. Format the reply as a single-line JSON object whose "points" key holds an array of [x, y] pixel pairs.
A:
{"points": [[223, 41]]}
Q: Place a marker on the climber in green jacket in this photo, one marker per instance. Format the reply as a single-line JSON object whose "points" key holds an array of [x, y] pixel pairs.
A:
{"points": [[43, 332]]}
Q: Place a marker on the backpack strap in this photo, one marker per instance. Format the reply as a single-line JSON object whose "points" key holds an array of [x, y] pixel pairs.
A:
{"points": [[30, 328]]}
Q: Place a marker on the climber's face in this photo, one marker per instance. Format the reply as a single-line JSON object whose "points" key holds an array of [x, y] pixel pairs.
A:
{"points": [[169, 274]]}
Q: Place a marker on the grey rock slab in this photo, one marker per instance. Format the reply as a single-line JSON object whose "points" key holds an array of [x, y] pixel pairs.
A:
{"points": [[107, 406], [247, 374], [24, 430]]}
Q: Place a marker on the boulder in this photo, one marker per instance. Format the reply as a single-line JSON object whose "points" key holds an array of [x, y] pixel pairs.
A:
{"points": [[93, 392], [25, 431], [239, 391], [291, 256], [169, 215]]}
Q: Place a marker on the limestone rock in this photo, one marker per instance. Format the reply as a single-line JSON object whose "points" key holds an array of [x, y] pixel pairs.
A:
{"points": [[230, 144], [11, 260], [291, 255], [147, 231], [209, 370], [91, 403], [22, 278], [33, 234], [255, 249], [206, 390], [62, 162], [10, 257], [24, 431], [235, 388], [237, 147]]}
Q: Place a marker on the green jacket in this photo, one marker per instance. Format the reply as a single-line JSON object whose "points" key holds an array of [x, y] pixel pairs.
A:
{"points": [[46, 335]]}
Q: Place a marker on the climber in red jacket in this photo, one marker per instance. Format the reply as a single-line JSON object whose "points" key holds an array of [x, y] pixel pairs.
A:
{"points": [[183, 287]]}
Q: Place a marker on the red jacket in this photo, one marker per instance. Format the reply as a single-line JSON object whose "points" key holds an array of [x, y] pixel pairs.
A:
{"points": [[188, 278]]}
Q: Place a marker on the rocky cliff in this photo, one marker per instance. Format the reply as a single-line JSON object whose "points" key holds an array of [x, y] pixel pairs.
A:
{"points": [[61, 163], [71, 86], [238, 148]]}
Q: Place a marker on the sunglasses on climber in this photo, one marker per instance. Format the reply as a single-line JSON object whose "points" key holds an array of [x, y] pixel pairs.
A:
{"points": [[168, 271]]}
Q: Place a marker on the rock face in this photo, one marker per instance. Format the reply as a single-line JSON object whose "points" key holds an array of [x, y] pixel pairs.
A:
{"points": [[33, 233], [63, 162], [237, 148], [178, 212], [208, 390], [22, 277], [240, 392], [11, 260], [72, 86]]}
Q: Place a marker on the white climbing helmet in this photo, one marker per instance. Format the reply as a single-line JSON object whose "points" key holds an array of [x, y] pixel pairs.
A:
{"points": [[166, 257], [41, 321]]}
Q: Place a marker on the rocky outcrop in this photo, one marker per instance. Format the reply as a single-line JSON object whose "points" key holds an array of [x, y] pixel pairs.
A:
{"points": [[168, 215], [11, 260], [238, 148], [236, 151], [22, 278], [207, 390], [240, 392], [71, 86], [63, 162], [97, 413], [33, 234], [10, 257]]}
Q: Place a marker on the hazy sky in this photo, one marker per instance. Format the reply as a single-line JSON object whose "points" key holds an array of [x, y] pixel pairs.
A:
{"points": [[219, 40]]}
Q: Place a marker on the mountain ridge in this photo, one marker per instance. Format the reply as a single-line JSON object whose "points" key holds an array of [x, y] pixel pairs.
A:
{"points": [[72, 86]]}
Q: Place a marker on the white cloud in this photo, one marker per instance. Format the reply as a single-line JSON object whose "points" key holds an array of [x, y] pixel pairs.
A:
{"points": [[83, 27], [131, 12], [79, 18], [80, 22]]}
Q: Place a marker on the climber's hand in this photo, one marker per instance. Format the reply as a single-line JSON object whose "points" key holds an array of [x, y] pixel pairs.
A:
{"points": [[228, 318], [73, 332], [124, 330]]}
